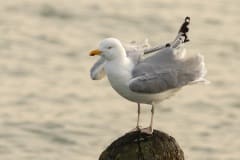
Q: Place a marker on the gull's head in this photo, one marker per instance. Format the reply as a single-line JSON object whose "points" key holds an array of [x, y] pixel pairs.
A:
{"points": [[110, 49]]}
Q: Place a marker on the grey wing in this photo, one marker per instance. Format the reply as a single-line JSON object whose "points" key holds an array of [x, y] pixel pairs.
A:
{"points": [[154, 82], [166, 70], [97, 71]]}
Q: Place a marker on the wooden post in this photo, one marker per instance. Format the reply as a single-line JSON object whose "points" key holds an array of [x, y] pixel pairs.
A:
{"points": [[141, 146]]}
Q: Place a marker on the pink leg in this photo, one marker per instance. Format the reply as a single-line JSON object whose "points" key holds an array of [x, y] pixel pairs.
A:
{"points": [[149, 129]]}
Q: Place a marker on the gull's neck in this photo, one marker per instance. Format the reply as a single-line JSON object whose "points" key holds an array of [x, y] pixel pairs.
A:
{"points": [[119, 65], [119, 73], [120, 59], [120, 62]]}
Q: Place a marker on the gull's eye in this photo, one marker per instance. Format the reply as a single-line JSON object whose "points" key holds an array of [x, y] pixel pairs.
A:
{"points": [[110, 47]]}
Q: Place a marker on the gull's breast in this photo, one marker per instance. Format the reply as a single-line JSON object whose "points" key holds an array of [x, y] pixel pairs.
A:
{"points": [[119, 76]]}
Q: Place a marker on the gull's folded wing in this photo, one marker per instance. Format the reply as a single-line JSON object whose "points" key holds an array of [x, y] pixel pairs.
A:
{"points": [[167, 69], [154, 82]]}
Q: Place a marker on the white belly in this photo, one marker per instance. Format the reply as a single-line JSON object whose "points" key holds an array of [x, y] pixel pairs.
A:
{"points": [[119, 77]]}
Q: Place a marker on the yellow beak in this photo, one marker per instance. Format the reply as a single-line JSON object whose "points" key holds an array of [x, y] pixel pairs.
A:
{"points": [[95, 52]]}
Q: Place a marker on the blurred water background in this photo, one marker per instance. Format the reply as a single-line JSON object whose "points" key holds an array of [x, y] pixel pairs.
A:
{"points": [[51, 110]]}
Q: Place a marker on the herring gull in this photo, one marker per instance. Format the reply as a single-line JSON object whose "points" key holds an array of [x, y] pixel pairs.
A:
{"points": [[148, 75]]}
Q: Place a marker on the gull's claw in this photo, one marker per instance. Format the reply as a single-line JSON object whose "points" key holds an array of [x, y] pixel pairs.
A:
{"points": [[148, 130], [138, 128]]}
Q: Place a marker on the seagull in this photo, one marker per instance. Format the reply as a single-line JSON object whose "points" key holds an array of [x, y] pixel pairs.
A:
{"points": [[146, 75]]}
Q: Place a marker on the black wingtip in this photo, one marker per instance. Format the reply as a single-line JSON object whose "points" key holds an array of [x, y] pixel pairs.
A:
{"points": [[184, 29], [187, 19]]}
